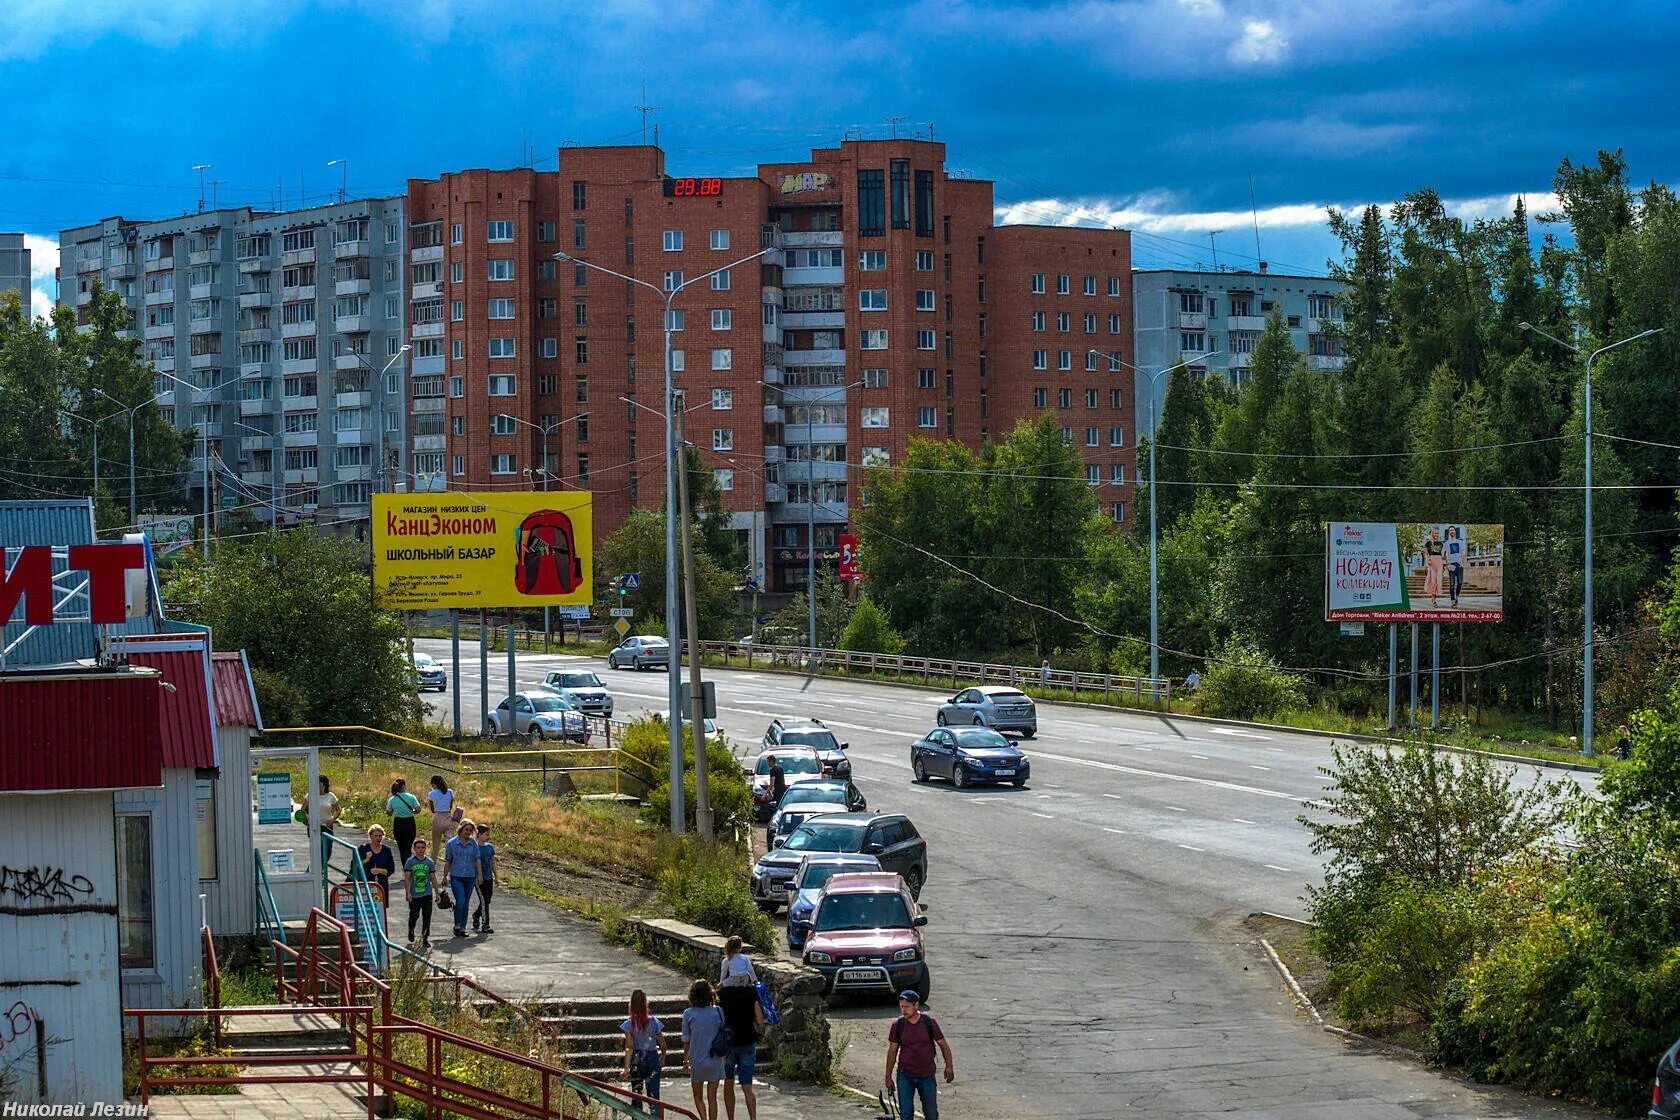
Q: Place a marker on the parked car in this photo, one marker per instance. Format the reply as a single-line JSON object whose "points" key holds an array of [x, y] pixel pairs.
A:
{"points": [[866, 935], [991, 705], [712, 729], [834, 795], [799, 764], [792, 813], [968, 756], [539, 714], [1665, 1089], [429, 673], [890, 837], [641, 652], [807, 884], [811, 733], [582, 689]]}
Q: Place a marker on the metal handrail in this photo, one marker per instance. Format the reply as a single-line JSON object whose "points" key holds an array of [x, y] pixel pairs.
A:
{"points": [[268, 914], [213, 981], [370, 912]]}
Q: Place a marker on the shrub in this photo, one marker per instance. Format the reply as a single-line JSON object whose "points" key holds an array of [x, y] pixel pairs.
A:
{"points": [[706, 885], [868, 631], [1414, 942], [1244, 683], [647, 741]]}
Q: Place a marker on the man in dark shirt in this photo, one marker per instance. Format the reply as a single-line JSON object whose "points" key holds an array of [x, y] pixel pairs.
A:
{"points": [[738, 999], [778, 782], [910, 1044]]}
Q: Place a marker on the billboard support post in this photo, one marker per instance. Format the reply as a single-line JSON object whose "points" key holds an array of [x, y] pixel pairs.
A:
{"points": [[1414, 674], [455, 664], [1435, 678], [1393, 669], [513, 674], [483, 673]]}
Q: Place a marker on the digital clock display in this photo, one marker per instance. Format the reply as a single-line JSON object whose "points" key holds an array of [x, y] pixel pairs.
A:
{"points": [[693, 188]]}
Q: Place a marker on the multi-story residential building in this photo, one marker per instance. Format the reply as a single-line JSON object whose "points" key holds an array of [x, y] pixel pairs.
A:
{"points": [[14, 267], [822, 315], [1213, 320], [268, 332]]}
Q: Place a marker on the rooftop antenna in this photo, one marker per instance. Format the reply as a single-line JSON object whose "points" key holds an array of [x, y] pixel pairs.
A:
{"points": [[644, 109], [201, 168], [214, 183], [1214, 246], [343, 166], [1255, 210], [894, 123]]}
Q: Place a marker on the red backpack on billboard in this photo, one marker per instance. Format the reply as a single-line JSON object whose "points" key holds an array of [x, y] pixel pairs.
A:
{"points": [[545, 555]]}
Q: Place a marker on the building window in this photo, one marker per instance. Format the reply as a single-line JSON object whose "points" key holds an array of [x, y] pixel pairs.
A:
{"points": [[873, 417], [874, 340], [457, 272], [1090, 322], [580, 194], [1093, 437], [673, 241], [502, 385], [900, 193], [927, 340], [1093, 474], [924, 204], [872, 260], [136, 942], [723, 358], [1064, 398], [720, 239], [1067, 436], [581, 350], [501, 309], [1117, 474], [457, 349], [1038, 321], [1062, 285], [675, 319], [581, 387], [1114, 399], [501, 348], [545, 231], [924, 379], [678, 361], [673, 280], [457, 310], [502, 463], [1114, 324], [720, 280], [457, 465], [1062, 322], [1117, 437], [725, 478], [1117, 512], [925, 299], [872, 299], [872, 208], [501, 424], [498, 231], [1114, 285], [927, 417], [548, 307], [1041, 398], [1090, 398], [455, 234], [723, 399], [1038, 283], [1064, 359], [924, 260], [723, 439], [1041, 359], [1191, 341], [500, 268]]}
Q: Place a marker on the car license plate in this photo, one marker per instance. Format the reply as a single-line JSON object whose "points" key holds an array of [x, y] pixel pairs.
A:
{"points": [[860, 974], [1004, 773]]}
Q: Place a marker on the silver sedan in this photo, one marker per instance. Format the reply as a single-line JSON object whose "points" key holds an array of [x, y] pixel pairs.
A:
{"points": [[996, 706]]}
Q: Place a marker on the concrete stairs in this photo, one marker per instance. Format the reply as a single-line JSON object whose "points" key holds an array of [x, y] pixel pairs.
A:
{"points": [[311, 1044], [591, 1041]]}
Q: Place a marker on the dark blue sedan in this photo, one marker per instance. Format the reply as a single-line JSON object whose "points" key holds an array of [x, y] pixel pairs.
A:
{"points": [[969, 756]]}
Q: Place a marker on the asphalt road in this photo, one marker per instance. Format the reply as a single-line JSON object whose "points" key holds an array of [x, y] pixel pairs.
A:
{"points": [[1083, 939]]}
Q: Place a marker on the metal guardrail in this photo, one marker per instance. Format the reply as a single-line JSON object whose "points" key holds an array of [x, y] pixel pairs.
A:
{"points": [[931, 670]]}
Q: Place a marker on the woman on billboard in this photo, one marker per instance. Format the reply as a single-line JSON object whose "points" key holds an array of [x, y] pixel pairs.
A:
{"points": [[1434, 565]]}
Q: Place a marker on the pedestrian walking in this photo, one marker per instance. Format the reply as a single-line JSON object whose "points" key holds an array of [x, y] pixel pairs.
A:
{"points": [[402, 806], [736, 962], [419, 873], [911, 1043], [778, 781], [442, 801], [326, 817], [737, 998], [378, 862], [460, 856], [644, 1049], [486, 880], [1624, 745], [1044, 672], [702, 1024]]}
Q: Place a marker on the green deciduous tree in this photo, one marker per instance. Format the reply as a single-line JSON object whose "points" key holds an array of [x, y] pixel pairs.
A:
{"points": [[638, 546], [868, 631]]}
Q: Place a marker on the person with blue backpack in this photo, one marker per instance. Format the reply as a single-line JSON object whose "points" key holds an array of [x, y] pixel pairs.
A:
{"points": [[743, 1017]]}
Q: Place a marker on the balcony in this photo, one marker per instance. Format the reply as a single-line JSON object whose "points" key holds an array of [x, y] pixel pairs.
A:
{"points": [[205, 361], [353, 399], [353, 324], [1323, 326], [255, 443], [426, 330], [772, 295], [1239, 361], [297, 330], [204, 256], [161, 330], [429, 443], [299, 477], [818, 471], [774, 453], [350, 361], [1255, 323], [774, 493], [426, 254], [814, 394], [300, 439], [164, 365], [251, 335], [1326, 363], [353, 435], [772, 375], [348, 249], [423, 366], [814, 239], [426, 404], [774, 415], [299, 404], [260, 263], [166, 399], [264, 479], [806, 277], [360, 286], [432, 289], [83, 298], [121, 270], [298, 365], [259, 407], [1192, 357], [297, 256], [298, 292], [353, 472], [810, 320], [1192, 320], [160, 264], [91, 264], [255, 299], [814, 358], [201, 291]]}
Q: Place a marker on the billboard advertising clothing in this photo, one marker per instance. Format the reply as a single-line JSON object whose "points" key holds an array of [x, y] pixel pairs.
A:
{"points": [[482, 549], [1413, 571]]}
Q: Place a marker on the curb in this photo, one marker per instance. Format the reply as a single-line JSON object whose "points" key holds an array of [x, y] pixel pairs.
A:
{"points": [[1349, 736], [1301, 999]]}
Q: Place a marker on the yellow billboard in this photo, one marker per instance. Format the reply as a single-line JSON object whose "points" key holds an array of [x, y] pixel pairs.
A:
{"points": [[502, 548]]}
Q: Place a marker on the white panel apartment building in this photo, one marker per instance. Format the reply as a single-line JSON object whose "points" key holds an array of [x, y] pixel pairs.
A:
{"points": [[1213, 320], [268, 332]]}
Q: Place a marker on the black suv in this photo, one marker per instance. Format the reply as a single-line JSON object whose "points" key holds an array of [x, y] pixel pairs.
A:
{"points": [[890, 837], [814, 734]]}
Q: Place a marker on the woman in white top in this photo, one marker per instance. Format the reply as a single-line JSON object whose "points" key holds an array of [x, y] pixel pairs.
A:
{"points": [[326, 816], [442, 799]]}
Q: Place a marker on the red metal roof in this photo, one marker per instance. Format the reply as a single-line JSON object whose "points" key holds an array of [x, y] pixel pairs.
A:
{"points": [[236, 699], [80, 730], [187, 714]]}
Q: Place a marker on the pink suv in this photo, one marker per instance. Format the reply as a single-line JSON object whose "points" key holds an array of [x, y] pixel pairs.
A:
{"points": [[866, 935]]}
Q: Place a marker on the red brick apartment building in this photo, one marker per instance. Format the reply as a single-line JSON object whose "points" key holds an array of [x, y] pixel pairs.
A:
{"points": [[890, 307]]}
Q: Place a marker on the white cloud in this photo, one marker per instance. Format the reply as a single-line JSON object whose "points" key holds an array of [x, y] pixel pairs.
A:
{"points": [[1260, 43], [43, 269], [1154, 213], [32, 26]]}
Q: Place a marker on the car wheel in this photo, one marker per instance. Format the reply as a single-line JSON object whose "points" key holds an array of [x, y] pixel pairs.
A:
{"points": [[960, 776], [924, 984], [979, 721], [940, 719], [490, 727], [1018, 782], [612, 661], [537, 733], [1028, 734], [919, 769], [913, 880]]}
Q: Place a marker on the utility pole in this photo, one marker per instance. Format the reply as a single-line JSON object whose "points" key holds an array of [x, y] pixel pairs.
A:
{"points": [[696, 701]]}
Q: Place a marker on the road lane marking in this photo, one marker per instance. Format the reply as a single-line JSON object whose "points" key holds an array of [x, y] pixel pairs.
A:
{"points": [[1275, 867], [1236, 732], [1116, 831], [1114, 796], [1192, 848], [1134, 747], [1215, 783], [1203, 757], [1242, 820], [1176, 809], [1046, 816], [1252, 766]]}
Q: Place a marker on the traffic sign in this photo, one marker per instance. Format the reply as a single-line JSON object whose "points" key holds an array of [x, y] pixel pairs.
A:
{"points": [[622, 612], [574, 611], [630, 581], [621, 626]]}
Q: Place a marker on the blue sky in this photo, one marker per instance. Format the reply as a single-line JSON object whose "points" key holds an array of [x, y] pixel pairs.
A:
{"points": [[1150, 114]]}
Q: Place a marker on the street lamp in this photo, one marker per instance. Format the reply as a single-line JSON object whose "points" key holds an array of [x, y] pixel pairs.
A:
{"points": [[545, 429], [672, 624], [811, 504], [379, 399], [1587, 551], [93, 426], [132, 410], [1154, 598]]}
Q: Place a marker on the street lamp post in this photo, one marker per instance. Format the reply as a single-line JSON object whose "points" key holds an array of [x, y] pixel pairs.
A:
{"points": [[1587, 544], [378, 390], [672, 621], [93, 423], [544, 430], [1154, 584], [133, 411]]}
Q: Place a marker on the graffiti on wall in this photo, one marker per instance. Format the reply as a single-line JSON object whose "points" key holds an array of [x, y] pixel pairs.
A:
{"points": [[47, 890]]}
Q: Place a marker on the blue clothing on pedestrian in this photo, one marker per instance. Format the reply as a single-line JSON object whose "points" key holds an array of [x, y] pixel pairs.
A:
{"points": [[487, 860], [647, 1058], [462, 889], [911, 1087], [462, 858], [700, 1025]]}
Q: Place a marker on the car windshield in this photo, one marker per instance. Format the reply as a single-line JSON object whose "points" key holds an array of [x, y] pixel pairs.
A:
{"points": [[821, 740], [791, 763], [980, 738], [424, 661], [823, 837], [862, 911], [821, 795], [549, 704], [819, 873], [578, 680]]}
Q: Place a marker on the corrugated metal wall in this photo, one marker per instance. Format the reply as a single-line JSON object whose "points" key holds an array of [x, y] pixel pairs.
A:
{"points": [[232, 897], [60, 969], [176, 980]]}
